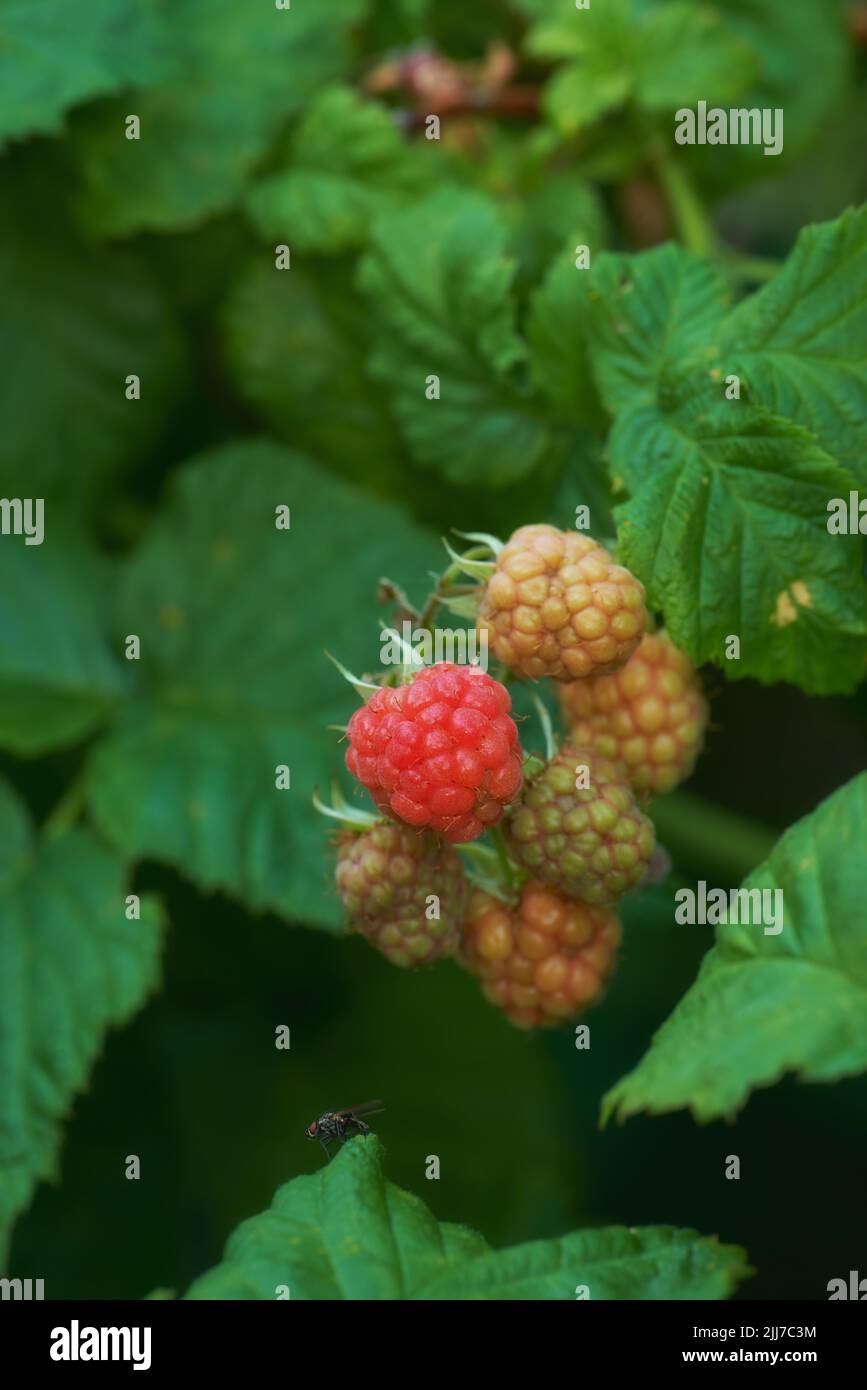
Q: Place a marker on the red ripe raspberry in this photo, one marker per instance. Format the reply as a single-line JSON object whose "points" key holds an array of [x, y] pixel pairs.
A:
{"points": [[386, 877], [543, 961], [558, 605], [441, 752], [650, 716]]}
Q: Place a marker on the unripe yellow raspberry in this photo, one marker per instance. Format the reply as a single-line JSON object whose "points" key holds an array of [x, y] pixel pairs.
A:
{"points": [[542, 961], [558, 605], [651, 716]]}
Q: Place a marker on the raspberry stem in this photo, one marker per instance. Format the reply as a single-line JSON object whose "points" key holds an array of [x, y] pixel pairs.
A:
{"points": [[547, 727], [445, 586], [485, 870], [694, 227], [389, 592], [508, 871]]}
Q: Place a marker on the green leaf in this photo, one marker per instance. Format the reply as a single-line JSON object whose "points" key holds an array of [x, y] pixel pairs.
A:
{"points": [[648, 312], [765, 1004], [658, 56], [437, 281], [558, 333], [53, 55], [15, 833], [58, 677], [644, 1262], [789, 41], [548, 210], [348, 162], [800, 344], [292, 340], [238, 73], [686, 53], [235, 618], [600, 42], [581, 93], [726, 528], [348, 1233], [564, 32], [71, 967], [76, 323], [344, 1233], [390, 21]]}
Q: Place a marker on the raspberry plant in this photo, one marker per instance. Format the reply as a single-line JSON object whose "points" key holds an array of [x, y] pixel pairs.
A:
{"points": [[289, 296]]}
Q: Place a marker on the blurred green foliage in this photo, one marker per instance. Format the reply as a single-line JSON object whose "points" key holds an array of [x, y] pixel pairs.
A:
{"points": [[155, 258]]}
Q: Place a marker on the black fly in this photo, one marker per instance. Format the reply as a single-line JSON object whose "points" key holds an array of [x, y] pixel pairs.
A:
{"points": [[342, 1124]]}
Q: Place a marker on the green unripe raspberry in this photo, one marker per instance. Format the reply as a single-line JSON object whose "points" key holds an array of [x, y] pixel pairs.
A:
{"points": [[386, 877], [592, 843]]}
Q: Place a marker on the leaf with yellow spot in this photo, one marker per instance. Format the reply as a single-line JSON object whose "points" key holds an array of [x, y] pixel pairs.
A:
{"points": [[726, 528]]}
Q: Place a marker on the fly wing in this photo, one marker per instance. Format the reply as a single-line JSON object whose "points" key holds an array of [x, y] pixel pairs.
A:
{"points": [[367, 1107]]}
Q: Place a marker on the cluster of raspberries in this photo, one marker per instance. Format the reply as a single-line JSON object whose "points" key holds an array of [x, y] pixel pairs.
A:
{"points": [[442, 761]]}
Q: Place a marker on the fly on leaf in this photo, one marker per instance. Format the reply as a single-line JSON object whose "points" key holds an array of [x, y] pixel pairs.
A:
{"points": [[342, 1124]]}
